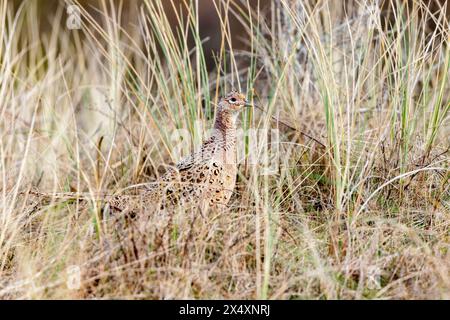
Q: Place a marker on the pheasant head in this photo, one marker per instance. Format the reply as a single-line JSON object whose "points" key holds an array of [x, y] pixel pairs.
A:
{"points": [[228, 109]]}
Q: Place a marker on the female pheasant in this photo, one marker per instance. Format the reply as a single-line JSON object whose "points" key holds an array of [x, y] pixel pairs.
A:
{"points": [[207, 177]]}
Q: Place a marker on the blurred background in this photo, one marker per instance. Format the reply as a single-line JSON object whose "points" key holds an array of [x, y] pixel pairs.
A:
{"points": [[208, 14]]}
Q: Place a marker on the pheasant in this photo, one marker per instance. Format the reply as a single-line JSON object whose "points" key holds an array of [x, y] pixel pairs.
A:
{"points": [[207, 177]]}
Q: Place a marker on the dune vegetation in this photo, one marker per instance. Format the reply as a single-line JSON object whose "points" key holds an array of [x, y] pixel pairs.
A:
{"points": [[353, 107]]}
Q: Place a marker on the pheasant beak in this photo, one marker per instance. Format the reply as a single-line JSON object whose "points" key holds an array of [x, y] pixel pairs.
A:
{"points": [[247, 103]]}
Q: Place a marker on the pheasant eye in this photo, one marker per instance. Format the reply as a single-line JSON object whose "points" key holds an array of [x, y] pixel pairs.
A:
{"points": [[232, 100]]}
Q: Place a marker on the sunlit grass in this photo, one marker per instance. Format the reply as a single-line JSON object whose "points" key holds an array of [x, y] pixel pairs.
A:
{"points": [[358, 206]]}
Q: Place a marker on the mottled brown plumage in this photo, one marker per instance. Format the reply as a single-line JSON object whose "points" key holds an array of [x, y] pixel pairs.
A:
{"points": [[207, 177]]}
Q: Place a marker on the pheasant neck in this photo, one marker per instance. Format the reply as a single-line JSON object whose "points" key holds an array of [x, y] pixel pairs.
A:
{"points": [[225, 132], [225, 124]]}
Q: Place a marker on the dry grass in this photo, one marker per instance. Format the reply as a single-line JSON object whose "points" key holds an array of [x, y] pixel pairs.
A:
{"points": [[92, 112]]}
